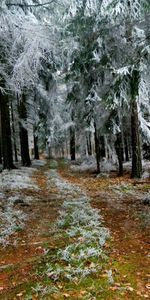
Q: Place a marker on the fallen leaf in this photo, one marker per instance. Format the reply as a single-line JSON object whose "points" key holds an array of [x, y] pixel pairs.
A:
{"points": [[66, 295], [82, 293], [138, 293], [113, 288], [20, 295], [148, 286], [117, 284], [60, 286], [130, 289]]}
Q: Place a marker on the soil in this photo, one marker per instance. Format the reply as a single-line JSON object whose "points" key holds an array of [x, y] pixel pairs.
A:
{"points": [[128, 219], [120, 200]]}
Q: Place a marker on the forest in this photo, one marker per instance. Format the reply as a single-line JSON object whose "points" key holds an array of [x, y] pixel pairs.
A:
{"points": [[74, 149]]}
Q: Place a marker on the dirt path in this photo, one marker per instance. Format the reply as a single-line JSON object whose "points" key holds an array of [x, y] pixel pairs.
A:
{"points": [[129, 222], [18, 260], [32, 266]]}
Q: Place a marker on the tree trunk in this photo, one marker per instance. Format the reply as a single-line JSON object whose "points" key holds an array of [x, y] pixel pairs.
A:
{"points": [[0, 151], [126, 149], [89, 144], [119, 151], [102, 146], [14, 134], [72, 143], [146, 151], [36, 148], [136, 147], [24, 133], [97, 148], [0, 140], [6, 133], [62, 151]]}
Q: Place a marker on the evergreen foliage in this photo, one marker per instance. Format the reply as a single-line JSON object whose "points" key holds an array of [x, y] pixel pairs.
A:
{"points": [[71, 67]]}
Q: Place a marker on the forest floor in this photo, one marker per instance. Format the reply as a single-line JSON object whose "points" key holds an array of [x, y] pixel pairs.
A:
{"points": [[71, 235]]}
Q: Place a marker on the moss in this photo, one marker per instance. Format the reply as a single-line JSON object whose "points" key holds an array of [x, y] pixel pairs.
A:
{"points": [[92, 287]]}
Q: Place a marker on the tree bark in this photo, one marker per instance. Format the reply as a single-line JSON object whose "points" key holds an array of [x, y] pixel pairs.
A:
{"points": [[146, 151], [62, 151], [72, 138], [0, 143], [14, 134], [97, 148], [126, 149], [89, 144], [36, 148], [0, 152], [102, 147], [24, 133], [136, 146], [6, 142], [72, 143], [119, 151]]}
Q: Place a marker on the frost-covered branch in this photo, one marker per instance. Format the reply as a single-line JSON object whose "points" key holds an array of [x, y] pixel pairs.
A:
{"points": [[30, 5]]}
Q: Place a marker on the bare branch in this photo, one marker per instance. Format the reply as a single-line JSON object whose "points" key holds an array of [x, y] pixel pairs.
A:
{"points": [[30, 5]]}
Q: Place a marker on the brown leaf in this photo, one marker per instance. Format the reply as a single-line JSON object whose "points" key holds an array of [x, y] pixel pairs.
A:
{"points": [[82, 293], [130, 289], [148, 286], [113, 288], [66, 295], [20, 295]]}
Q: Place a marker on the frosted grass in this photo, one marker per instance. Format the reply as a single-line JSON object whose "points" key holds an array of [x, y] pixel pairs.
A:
{"points": [[84, 225], [17, 179], [11, 220]]}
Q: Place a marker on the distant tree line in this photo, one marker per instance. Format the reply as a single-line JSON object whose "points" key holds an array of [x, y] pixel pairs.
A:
{"points": [[75, 75]]}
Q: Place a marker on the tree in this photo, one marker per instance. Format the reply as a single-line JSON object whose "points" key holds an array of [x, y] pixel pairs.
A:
{"points": [[20, 70], [97, 47], [136, 145], [22, 110], [6, 143]]}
